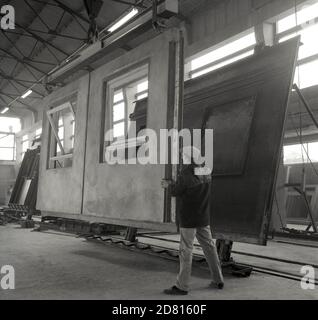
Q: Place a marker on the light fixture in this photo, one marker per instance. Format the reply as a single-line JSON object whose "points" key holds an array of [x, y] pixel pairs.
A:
{"points": [[123, 20], [4, 110], [26, 94]]}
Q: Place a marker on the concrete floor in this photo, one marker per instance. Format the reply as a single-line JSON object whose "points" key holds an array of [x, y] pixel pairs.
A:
{"points": [[57, 266]]}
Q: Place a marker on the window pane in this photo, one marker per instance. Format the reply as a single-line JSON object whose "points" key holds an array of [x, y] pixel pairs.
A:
{"points": [[25, 146], [142, 96], [118, 96], [38, 132], [8, 124], [309, 43], [294, 154], [304, 14], [7, 141], [67, 130], [224, 51], [288, 37], [6, 154], [223, 64], [308, 74], [119, 130], [286, 23], [125, 90], [61, 133], [65, 120], [58, 149], [72, 141], [313, 151], [142, 86], [119, 111], [73, 128]]}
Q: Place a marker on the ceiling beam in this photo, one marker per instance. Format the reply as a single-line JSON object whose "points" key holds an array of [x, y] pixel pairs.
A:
{"points": [[15, 95], [45, 42], [36, 14], [54, 33], [22, 103], [5, 77], [19, 82], [71, 11], [22, 61], [134, 4], [30, 60]]}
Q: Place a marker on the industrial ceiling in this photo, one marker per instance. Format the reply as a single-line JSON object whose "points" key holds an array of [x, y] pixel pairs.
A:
{"points": [[46, 34]]}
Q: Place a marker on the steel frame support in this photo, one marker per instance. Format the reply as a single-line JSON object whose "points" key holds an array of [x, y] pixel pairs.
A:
{"points": [[306, 105], [55, 33], [15, 79], [29, 60], [71, 11], [43, 41], [21, 60], [134, 4]]}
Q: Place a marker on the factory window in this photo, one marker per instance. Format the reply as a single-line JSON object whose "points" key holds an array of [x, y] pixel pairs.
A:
{"points": [[61, 134], [142, 90], [303, 22], [217, 57], [124, 95], [124, 101], [8, 124], [301, 153], [38, 133], [7, 146], [8, 127]]}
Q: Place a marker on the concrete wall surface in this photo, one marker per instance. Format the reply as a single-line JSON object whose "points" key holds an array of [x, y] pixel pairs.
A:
{"points": [[61, 189], [127, 191]]}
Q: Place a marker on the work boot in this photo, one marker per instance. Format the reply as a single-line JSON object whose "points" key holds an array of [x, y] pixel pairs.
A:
{"points": [[175, 291]]}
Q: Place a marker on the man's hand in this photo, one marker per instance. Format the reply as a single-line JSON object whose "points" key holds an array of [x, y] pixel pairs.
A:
{"points": [[166, 183]]}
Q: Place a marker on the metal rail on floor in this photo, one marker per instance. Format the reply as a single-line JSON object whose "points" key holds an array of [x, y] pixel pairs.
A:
{"points": [[306, 245], [172, 254], [243, 253]]}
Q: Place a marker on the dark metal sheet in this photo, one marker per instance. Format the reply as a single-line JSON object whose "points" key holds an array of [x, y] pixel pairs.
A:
{"points": [[246, 105], [232, 125]]}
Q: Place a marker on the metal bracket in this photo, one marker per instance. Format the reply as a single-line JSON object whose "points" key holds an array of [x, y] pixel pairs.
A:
{"points": [[224, 248]]}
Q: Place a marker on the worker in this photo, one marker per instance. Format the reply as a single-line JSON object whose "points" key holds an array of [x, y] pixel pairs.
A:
{"points": [[194, 193]]}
